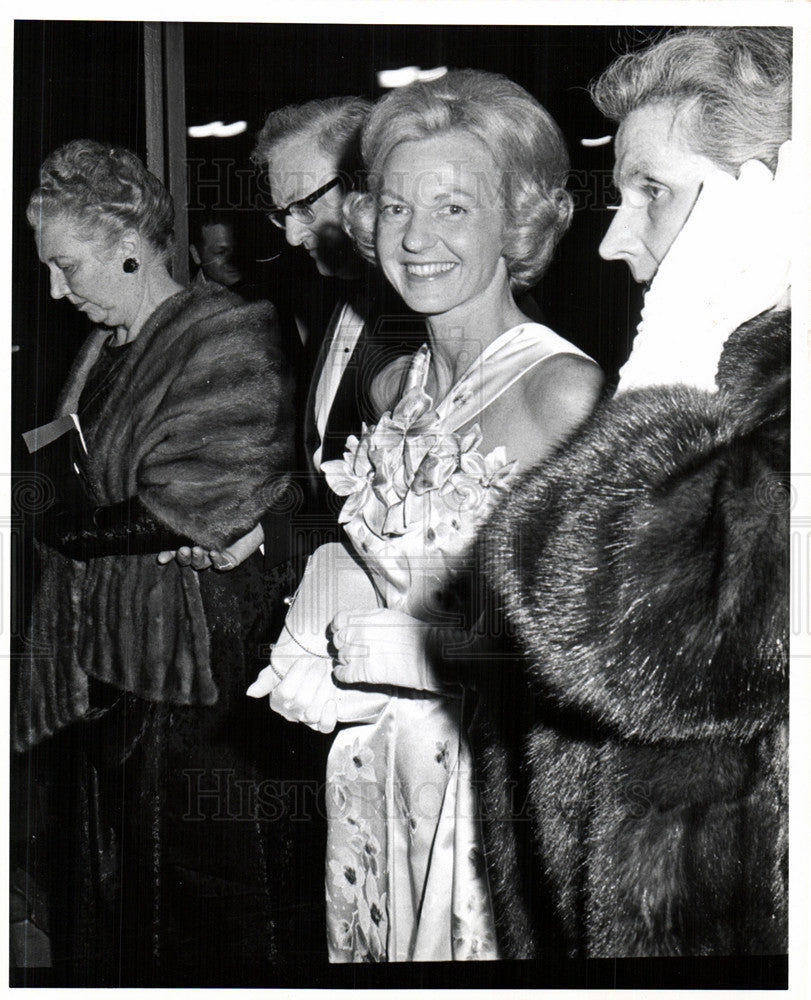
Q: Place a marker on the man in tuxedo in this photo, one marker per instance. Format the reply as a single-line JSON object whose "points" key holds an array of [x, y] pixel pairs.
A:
{"points": [[351, 322], [311, 153]]}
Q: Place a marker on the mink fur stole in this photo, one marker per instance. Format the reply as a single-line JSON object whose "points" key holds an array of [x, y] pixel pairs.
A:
{"points": [[198, 424], [633, 751]]}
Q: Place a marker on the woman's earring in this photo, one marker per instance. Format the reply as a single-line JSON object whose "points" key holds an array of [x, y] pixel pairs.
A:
{"points": [[130, 265]]}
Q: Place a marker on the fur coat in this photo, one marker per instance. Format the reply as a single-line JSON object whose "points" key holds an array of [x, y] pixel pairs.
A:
{"points": [[198, 425], [633, 753]]}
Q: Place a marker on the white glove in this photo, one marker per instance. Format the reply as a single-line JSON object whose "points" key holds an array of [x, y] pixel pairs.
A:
{"points": [[299, 678], [730, 262], [306, 693], [383, 646]]}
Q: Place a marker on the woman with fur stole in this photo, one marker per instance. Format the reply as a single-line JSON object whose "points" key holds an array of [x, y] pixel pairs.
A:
{"points": [[131, 690], [634, 761], [634, 751]]}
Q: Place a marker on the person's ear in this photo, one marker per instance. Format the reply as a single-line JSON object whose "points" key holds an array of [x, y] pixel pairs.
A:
{"points": [[195, 256], [130, 245]]}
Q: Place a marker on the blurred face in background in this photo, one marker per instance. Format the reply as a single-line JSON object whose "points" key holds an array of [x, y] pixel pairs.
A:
{"points": [[215, 254]]}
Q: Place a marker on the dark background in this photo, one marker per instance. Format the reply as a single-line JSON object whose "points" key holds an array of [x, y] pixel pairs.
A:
{"points": [[85, 79]]}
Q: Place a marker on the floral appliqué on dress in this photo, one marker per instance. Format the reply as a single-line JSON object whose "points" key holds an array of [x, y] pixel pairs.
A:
{"points": [[408, 471], [405, 876]]}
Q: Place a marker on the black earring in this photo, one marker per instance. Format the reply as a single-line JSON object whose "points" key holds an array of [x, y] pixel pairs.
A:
{"points": [[130, 265]]}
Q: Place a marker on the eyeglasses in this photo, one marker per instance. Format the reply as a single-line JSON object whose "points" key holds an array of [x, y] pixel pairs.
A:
{"points": [[300, 210]]}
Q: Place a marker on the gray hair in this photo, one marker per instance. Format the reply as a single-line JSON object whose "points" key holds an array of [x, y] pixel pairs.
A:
{"points": [[106, 190], [733, 83], [334, 123]]}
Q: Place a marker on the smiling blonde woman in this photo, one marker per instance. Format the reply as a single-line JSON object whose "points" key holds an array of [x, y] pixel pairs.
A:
{"points": [[465, 206]]}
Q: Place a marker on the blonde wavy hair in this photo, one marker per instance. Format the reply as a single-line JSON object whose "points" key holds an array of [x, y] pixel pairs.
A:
{"points": [[526, 145]]}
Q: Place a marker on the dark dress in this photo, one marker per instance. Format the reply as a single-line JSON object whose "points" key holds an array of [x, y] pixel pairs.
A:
{"points": [[169, 848]]}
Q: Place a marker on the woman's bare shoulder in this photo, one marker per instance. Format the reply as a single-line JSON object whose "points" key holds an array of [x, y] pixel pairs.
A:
{"points": [[566, 384], [555, 399]]}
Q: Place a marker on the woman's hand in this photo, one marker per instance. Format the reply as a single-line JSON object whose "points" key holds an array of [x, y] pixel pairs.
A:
{"points": [[383, 646], [304, 691], [222, 559]]}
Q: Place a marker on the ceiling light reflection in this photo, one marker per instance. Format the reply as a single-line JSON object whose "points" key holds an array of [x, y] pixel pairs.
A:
{"points": [[216, 130]]}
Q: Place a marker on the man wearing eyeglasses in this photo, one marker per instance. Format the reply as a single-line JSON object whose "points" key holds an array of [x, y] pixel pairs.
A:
{"points": [[312, 156], [311, 153], [309, 208]]}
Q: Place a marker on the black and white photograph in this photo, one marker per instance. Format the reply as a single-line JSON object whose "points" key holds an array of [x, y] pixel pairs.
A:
{"points": [[406, 533]]}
